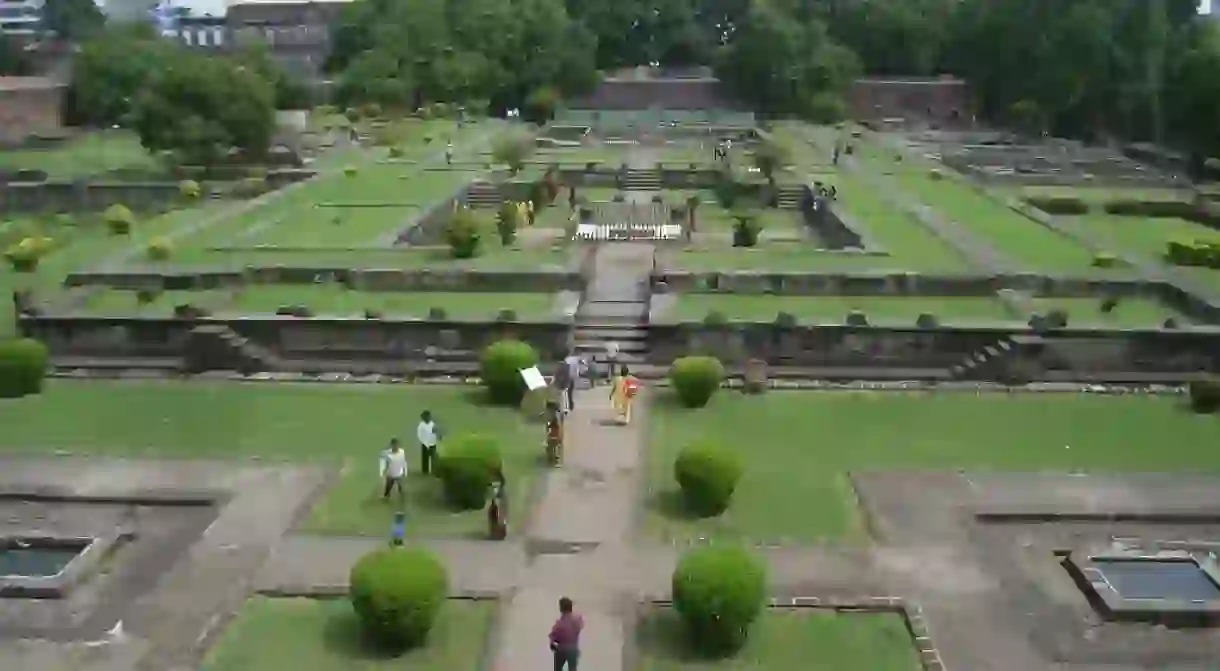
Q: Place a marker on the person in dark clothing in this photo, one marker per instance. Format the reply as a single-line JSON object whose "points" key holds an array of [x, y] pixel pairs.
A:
{"points": [[565, 636]]}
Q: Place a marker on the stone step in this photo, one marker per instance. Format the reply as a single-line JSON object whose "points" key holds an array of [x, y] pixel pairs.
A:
{"points": [[634, 346], [612, 321], [620, 333]]}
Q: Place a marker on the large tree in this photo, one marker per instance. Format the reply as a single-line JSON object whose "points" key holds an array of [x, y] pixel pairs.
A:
{"points": [[72, 20]]}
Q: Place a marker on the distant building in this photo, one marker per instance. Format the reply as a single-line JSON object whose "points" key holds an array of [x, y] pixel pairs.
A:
{"points": [[643, 88], [29, 106], [20, 17], [201, 32], [297, 33]]}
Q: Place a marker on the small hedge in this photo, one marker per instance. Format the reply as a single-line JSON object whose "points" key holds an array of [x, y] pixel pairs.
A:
{"points": [[708, 475], [463, 234], [158, 250], [718, 592], [695, 379], [189, 189], [23, 367], [1202, 253], [25, 255], [1105, 260], [500, 368], [397, 594], [467, 470], [1151, 208], [1205, 395], [119, 219], [1059, 205]]}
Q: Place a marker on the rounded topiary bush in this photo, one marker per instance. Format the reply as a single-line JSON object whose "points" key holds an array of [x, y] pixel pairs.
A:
{"points": [[1105, 260], [708, 475], [500, 367], [715, 318], [23, 367], [718, 592], [695, 379], [119, 219], [468, 469], [158, 250], [397, 594], [1205, 395], [189, 189]]}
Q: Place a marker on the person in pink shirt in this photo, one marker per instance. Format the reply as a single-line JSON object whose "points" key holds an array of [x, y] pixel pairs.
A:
{"points": [[565, 636]]}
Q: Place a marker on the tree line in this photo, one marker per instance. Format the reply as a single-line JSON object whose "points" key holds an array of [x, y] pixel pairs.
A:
{"points": [[1096, 69]]}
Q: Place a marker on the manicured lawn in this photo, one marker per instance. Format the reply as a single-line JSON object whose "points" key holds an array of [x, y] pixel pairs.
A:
{"points": [[909, 243], [323, 635], [117, 303], [344, 426], [336, 300], [493, 257], [87, 155], [1010, 233], [787, 639], [833, 309], [1149, 237], [798, 447], [1130, 312], [775, 256]]}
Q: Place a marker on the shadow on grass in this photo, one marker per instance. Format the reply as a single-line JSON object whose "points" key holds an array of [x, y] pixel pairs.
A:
{"points": [[660, 636], [668, 503]]}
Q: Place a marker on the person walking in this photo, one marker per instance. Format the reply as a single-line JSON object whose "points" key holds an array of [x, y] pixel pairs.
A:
{"points": [[568, 373], [611, 359], [565, 637], [623, 389], [429, 436], [393, 471]]}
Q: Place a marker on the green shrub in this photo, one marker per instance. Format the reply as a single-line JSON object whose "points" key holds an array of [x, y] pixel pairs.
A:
{"points": [[715, 318], [351, 170], [397, 594], [1205, 395], [351, 114], [119, 219], [23, 366], [1202, 253], [718, 592], [467, 470], [396, 152], [1059, 205], [158, 250], [25, 255], [746, 229], [695, 379], [189, 189], [708, 475], [500, 367], [1151, 208], [370, 110], [462, 233], [508, 221], [1105, 260]]}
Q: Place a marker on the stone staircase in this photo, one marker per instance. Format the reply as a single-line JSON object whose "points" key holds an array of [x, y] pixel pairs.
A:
{"points": [[615, 308], [641, 179], [218, 347], [791, 197], [994, 361], [483, 196]]}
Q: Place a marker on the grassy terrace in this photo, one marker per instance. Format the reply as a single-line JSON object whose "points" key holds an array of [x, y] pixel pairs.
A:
{"points": [[1010, 233], [1130, 312], [333, 425], [777, 256], [409, 258], [89, 154], [833, 309], [329, 300], [798, 448], [1148, 238], [1097, 196], [787, 639], [324, 635]]}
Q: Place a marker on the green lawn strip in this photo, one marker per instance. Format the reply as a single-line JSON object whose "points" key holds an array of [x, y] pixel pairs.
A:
{"points": [[331, 424], [833, 309], [777, 257], [1017, 237], [494, 257], [894, 230], [798, 448], [274, 634], [337, 300], [821, 640], [89, 154], [1098, 195], [1148, 238], [1129, 313], [116, 303]]}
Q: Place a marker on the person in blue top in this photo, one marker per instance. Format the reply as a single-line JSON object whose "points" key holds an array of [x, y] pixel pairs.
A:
{"points": [[398, 531]]}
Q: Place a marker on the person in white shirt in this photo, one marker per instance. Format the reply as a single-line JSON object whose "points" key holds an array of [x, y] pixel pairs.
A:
{"points": [[611, 359], [429, 436], [393, 470]]}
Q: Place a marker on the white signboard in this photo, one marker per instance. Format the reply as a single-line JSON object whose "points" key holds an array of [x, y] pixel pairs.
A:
{"points": [[533, 378]]}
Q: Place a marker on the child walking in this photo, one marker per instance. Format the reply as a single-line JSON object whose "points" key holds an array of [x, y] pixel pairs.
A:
{"points": [[623, 389]]}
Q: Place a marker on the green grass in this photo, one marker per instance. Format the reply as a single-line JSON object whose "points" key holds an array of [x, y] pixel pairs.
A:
{"points": [[324, 635], [787, 639], [1010, 233], [798, 447], [494, 257], [1148, 237], [833, 309], [897, 232], [116, 303], [344, 426], [88, 155], [1130, 312], [336, 300], [776, 256]]}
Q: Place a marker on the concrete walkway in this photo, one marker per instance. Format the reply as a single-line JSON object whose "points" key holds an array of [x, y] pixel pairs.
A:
{"points": [[583, 528]]}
